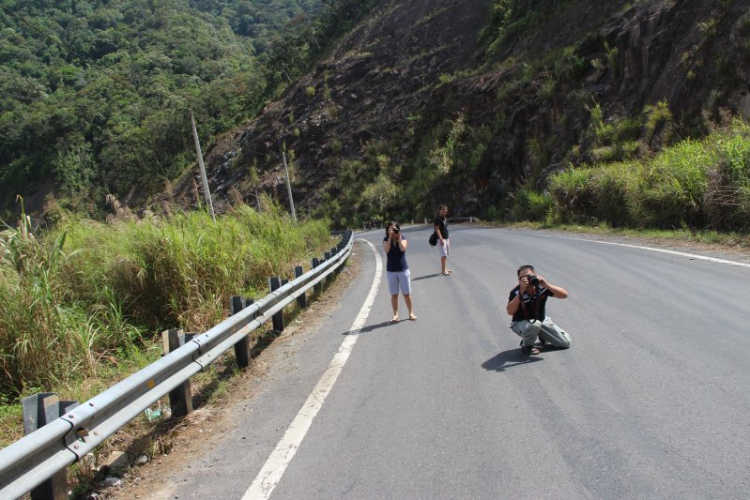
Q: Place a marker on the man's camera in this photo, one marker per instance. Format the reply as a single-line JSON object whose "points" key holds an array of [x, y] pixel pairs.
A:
{"points": [[533, 279]]}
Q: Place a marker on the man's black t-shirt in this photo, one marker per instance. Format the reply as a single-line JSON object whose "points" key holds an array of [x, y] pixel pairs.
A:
{"points": [[533, 304], [442, 226]]}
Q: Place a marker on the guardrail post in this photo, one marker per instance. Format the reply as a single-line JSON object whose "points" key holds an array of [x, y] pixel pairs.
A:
{"points": [[301, 300], [274, 283], [327, 256], [180, 399], [317, 287], [38, 411], [241, 348]]}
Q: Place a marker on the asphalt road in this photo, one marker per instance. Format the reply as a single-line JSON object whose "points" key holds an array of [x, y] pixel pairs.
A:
{"points": [[650, 402]]}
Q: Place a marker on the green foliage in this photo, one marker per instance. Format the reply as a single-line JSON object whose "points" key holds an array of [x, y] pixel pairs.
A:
{"points": [[95, 95], [528, 204], [511, 17], [691, 184], [86, 294], [659, 124], [614, 139], [611, 54], [380, 193]]}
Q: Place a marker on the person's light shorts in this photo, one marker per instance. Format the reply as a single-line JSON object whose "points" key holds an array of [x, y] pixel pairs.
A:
{"points": [[445, 249], [400, 279]]}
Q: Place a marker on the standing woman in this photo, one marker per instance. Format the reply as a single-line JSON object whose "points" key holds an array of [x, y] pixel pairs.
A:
{"points": [[397, 269]]}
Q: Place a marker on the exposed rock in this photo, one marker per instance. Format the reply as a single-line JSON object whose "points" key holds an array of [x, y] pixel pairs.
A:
{"points": [[384, 82]]}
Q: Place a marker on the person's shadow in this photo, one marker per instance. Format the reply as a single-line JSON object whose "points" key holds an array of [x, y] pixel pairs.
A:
{"points": [[427, 276], [508, 359], [515, 357], [368, 329]]}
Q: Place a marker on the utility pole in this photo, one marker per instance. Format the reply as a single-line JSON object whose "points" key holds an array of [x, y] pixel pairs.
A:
{"points": [[206, 192], [289, 187]]}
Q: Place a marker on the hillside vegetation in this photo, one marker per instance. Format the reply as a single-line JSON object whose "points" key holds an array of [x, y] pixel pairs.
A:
{"points": [[81, 302], [479, 104], [384, 108], [94, 94]]}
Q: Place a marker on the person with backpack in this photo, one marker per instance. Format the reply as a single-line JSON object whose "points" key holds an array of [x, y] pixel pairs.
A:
{"points": [[397, 269], [443, 243]]}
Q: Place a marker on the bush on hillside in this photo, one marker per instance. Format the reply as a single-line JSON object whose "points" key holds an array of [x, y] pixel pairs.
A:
{"points": [[693, 184], [85, 293]]}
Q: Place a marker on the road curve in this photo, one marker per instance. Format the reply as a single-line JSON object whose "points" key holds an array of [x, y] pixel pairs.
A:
{"points": [[650, 402]]}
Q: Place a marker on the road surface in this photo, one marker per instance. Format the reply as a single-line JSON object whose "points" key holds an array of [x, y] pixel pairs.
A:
{"points": [[650, 402]]}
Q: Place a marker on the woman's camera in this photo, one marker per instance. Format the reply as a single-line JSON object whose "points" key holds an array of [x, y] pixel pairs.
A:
{"points": [[396, 230]]}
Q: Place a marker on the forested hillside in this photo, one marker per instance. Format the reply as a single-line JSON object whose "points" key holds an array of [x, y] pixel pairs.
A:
{"points": [[504, 109], [94, 95], [482, 103]]}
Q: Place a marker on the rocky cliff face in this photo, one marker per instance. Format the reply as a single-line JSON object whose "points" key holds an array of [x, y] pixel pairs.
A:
{"points": [[435, 99]]}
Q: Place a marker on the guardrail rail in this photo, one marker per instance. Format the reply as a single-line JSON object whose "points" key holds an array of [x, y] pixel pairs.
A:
{"points": [[37, 457]]}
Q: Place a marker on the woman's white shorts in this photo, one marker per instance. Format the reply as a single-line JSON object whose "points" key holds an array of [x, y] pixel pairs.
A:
{"points": [[400, 279]]}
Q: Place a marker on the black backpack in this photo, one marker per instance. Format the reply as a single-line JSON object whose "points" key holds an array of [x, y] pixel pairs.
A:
{"points": [[433, 239]]}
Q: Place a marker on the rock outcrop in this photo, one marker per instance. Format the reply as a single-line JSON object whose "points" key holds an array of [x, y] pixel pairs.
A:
{"points": [[412, 67]]}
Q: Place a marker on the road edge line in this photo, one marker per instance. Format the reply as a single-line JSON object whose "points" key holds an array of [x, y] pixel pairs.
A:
{"points": [[274, 468]]}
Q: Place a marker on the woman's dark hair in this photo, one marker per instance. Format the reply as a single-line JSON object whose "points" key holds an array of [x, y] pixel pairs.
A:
{"points": [[525, 266], [392, 223]]}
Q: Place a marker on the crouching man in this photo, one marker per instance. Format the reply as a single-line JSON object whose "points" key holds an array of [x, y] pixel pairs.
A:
{"points": [[527, 306]]}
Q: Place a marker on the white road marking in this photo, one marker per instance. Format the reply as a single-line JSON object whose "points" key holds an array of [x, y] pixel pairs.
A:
{"points": [[270, 475], [674, 252]]}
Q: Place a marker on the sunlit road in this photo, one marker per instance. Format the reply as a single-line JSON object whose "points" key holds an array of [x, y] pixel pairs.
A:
{"points": [[650, 402]]}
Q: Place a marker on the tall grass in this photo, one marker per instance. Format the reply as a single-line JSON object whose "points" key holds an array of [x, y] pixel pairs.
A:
{"points": [[694, 184], [86, 294]]}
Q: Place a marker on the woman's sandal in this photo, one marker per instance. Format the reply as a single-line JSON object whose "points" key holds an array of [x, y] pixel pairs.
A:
{"points": [[413, 317], [394, 319]]}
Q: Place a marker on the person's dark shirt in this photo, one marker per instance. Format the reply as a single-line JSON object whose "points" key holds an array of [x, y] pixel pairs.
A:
{"points": [[396, 258], [442, 226], [529, 303]]}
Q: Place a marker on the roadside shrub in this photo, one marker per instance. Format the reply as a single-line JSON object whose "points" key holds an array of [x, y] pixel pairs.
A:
{"points": [[691, 184], [530, 205], [85, 293]]}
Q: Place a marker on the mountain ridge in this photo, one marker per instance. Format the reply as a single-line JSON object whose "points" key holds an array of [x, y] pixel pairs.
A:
{"points": [[377, 113]]}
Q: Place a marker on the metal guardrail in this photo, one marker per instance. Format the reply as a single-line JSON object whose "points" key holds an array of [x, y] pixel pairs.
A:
{"points": [[457, 220], [33, 459]]}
